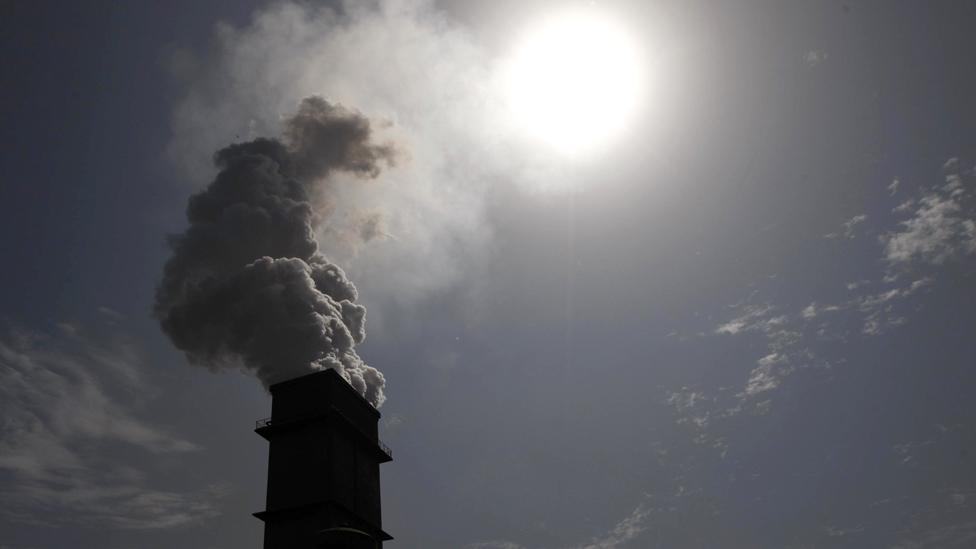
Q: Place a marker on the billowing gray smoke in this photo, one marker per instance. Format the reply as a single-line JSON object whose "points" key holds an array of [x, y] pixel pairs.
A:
{"points": [[246, 285]]}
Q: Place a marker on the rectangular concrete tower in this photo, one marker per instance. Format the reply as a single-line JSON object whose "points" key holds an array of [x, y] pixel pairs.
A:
{"points": [[323, 466]]}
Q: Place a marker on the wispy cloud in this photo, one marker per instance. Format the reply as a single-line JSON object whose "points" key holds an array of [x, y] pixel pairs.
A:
{"points": [[767, 374], [958, 535], [838, 532], [781, 334], [496, 544], [939, 227], [751, 318], [850, 227], [893, 187], [628, 529], [879, 310], [790, 335], [69, 406], [941, 224], [812, 58]]}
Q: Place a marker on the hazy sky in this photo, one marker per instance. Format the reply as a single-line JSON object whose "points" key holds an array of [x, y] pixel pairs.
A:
{"points": [[744, 318]]}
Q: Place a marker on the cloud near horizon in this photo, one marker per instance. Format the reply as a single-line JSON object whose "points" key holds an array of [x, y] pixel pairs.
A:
{"points": [[70, 404], [628, 529]]}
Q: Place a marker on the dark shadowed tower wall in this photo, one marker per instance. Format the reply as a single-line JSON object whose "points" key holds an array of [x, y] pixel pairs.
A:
{"points": [[323, 466]]}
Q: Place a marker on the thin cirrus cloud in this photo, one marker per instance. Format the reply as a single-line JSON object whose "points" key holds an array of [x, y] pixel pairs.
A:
{"points": [[921, 244], [941, 224], [850, 227], [923, 234], [953, 535], [628, 529], [69, 404]]}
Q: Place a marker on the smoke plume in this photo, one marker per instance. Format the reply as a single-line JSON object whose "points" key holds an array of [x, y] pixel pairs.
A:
{"points": [[246, 286]]}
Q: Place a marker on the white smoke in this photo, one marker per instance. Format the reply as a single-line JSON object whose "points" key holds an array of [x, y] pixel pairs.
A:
{"points": [[247, 286], [424, 83]]}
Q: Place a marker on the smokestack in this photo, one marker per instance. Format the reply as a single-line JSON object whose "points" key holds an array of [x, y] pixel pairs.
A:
{"points": [[248, 288], [323, 466]]}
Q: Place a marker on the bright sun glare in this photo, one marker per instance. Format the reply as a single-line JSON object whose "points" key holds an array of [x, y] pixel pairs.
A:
{"points": [[575, 80]]}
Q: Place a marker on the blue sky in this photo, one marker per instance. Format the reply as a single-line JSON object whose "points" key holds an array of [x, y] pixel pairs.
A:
{"points": [[746, 321]]}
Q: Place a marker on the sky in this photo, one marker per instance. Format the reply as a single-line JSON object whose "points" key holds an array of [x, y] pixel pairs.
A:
{"points": [[740, 315]]}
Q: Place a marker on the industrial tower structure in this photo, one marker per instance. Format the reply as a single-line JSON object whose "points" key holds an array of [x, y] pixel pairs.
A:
{"points": [[323, 466]]}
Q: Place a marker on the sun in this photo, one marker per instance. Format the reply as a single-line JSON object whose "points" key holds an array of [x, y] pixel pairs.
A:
{"points": [[575, 80]]}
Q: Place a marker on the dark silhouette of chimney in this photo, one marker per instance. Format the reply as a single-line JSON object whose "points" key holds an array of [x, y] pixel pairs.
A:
{"points": [[323, 466]]}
